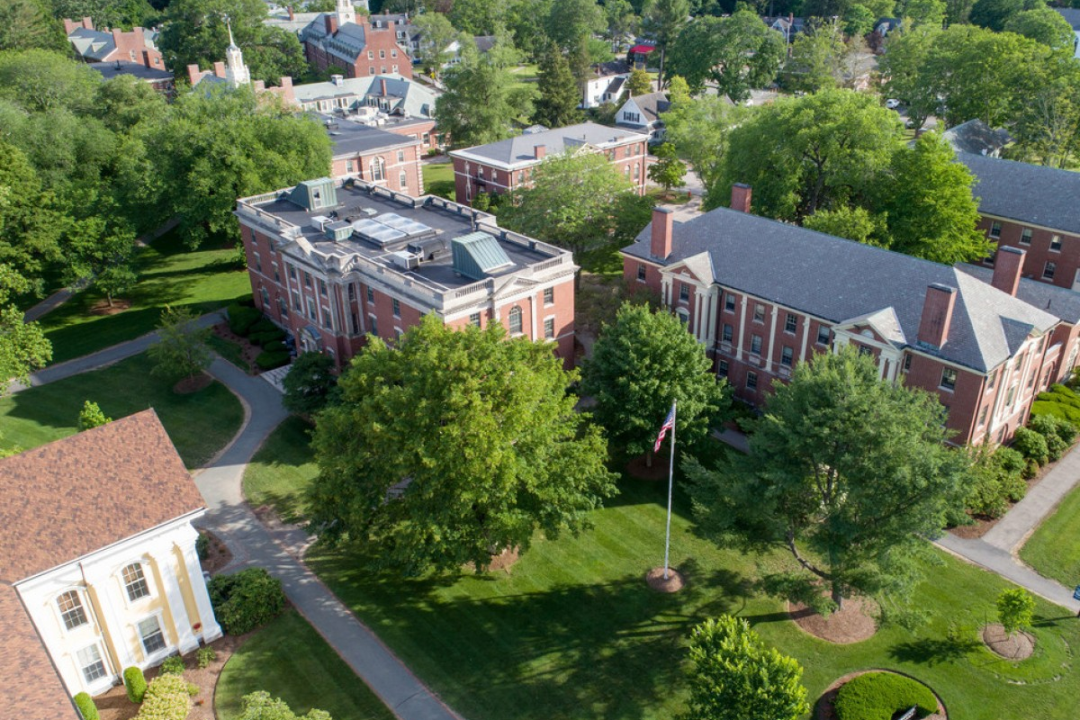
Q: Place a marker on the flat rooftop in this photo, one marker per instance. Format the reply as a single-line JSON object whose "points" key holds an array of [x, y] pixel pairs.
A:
{"points": [[110, 70], [406, 225], [350, 137]]}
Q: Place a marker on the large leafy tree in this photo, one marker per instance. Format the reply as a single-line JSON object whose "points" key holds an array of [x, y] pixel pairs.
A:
{"points": [[181, 350], [1048, 128], [817, 60], [663, 20], [23, 346], [222, 145], [39, 80], [30, 227], [560, 94], [736, 53], [994, 14], [735, 676], [1046, 26], [436, 35], [846, 473], [699, 130], [569, 21], [620, 20], [642, 362], [571, 203], [453, 447], [115, 14], [908, 76], [27, 25], [310, 385], [480, 103]]}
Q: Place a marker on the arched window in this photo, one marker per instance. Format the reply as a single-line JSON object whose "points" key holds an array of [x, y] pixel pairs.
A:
{"points": [[135, 582], [515, 321], [71, 609], [378, 169]]}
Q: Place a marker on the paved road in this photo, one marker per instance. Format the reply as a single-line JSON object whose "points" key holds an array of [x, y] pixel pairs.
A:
{"points": [[252, 544]]}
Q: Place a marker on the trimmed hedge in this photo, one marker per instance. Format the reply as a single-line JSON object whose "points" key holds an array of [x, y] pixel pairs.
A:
{"points": [[167, 698], [135, 684], [262, 338], [270, 360], [245, 600], [262, 325], [241, 319], [879, 695], [1060, 402], [275, 346], [86, 706]]}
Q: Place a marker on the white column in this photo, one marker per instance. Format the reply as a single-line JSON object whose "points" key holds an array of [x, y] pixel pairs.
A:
{"points": [[742, 327], [883, 365], [532, 314], [665, 291], [210, 629], [772, 336], [805, 336], [714, 309], [112, 626], [699, 311], [163, 557]]}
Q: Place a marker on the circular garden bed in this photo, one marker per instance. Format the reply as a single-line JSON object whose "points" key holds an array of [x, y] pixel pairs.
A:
{"points": [[879, 695]]}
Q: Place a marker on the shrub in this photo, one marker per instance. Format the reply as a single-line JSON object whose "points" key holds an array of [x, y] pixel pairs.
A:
{"points": [[878, 695], [270, 360], [1051, 426], [205, 656], [166, 699], [173, 665], [247, 301], [1031, 445], [246, 600], [86, 706], [135, 684], [1016, 609], [269, 336], [241, 318], [260, 706], [262, 325], [275, 347], [202, 546], [996, 479]]}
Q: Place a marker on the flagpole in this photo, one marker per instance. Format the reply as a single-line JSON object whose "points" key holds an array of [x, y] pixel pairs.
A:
{"points": [[670, 485]]}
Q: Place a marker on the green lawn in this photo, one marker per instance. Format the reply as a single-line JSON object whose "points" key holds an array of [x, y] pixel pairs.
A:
{"points": [[525, 75], [439, 179], [291, 661], [281, 470], [1054, 549], [170, 274], [572, 631], [199, 424], [230, 351]]}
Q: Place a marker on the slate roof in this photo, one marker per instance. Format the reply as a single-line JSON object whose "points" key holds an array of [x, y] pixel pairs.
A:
{"points": [[519, 151], [840, 280], [1054, 299], [976, 137], [110, 70], [652, 104], [92, 45], [32, 690], [413, 99], [75, 496], [350, 138], [1035, 194]]}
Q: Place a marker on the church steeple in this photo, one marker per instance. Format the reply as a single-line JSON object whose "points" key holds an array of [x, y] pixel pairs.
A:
{"points": [[346, 13], [236, 72]]}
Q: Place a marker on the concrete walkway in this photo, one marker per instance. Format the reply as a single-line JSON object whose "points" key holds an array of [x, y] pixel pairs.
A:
{"points": [[994, 551], [252, 544]]}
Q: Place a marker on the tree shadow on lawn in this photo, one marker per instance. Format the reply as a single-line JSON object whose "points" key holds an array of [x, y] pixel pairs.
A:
{"points": [[933, 651], [614, 649]]}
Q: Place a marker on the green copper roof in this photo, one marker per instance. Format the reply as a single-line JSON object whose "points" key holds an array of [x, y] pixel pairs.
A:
{"points": [[477, 255]]}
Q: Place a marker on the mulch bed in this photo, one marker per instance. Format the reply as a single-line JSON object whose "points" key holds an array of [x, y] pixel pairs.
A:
{"points": [[638, 469], [218, 556], [674, 583], [248, 351], [192, 384], [1018, 646], [825, 710], [503, 561], [101, 307], [852, 623]]}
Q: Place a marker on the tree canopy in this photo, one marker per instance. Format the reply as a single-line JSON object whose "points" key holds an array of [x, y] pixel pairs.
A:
{"points": [[737, 53], [480, 102], [846, 473], [560, 94]]}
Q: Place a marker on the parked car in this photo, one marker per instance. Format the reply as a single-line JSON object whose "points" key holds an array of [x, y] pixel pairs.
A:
{"points": [[892, 103]]}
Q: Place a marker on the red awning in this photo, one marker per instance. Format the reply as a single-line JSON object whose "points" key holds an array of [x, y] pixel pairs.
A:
{"points": [[642, 49]]}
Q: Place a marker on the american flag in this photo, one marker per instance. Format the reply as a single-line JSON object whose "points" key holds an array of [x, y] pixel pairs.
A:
{"points": [[669, 424]]}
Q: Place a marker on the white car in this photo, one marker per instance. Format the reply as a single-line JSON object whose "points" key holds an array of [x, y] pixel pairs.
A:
{"points": [[892, 103]]}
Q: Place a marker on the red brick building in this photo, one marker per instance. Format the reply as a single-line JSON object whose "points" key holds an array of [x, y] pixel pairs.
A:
{"points": [[763, 295], [352, 44], [386, 159], [1034, 208], [334, 262], [507, 165], [119, 52]]}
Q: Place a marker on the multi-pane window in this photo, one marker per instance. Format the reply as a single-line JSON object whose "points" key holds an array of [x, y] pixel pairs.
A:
{"points": [[995, 230], [948, 379], [71, 609], [907, 362], [258, 262], [311, 310], [90, 663], [515, 321], [351, 291], [370, 295], [755, 344], [786, 356], [790, 323], [265, 297], [549, 296], [373, 324], [307, 281], [277, 275], [296, 301], [326, 320], [403, 180], [729, 332], [355, 324], [684, 292], [992, 380], [1055, 243], [401, 156], [549, 328], [150, 634], [1025, 236], [135, 582], [283, 309], [982, 416], [1010, 396], [292, 272], [722, 368], [641, 272], [322, 288], [822, 335], [729, 302], [397, 307], [474, 319], [751, 380], [1048, 270], [759, 313]]}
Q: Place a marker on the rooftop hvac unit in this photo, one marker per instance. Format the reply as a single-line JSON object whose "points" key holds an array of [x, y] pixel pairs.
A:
{"points": [[319, 222], [405, 260]]}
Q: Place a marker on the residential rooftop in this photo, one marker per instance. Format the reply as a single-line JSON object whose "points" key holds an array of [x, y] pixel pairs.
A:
{"points": [[402, 96], [354, 225], [977, 138], [351, 137], [838, 280], [1054, 299], [520, 151], [109, 70], [1026, 193], [23, 655]]}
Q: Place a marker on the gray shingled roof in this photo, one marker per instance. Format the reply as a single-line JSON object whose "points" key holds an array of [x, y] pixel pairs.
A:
{"points": [[520, 149], [976, 137], [1061, 302], [110, 70], [652, 104], [416, 100], [840, 280], [1026, 193], [1071, 15], [351, 137]]}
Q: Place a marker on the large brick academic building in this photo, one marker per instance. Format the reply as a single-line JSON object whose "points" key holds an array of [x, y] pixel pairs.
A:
{"points": [[332, 262], [354, 45], [763, 295]]}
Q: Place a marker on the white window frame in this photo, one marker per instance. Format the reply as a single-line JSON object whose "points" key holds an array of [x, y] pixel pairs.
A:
{"points": [[165, 649], [82, 608], [142, 578], [101, 659]]}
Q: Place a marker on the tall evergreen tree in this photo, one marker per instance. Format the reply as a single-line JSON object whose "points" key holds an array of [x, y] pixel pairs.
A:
{"points": [[560, 93]]}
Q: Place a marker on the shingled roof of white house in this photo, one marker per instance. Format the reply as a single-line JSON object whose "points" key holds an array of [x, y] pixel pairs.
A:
{"points": [[521, 150], [838, 280]]}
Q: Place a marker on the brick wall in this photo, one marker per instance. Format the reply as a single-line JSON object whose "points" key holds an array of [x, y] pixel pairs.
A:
{"points": [[1039, 250]]}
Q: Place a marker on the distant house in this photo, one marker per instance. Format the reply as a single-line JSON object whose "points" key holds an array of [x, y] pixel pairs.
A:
{"points": [[604, 84], [287, 18], [99, 569], [638, 57], [507, 165], [790, 27], [977, 138], [119, 52], [356, 45], [642, 114], [1072, 15]]}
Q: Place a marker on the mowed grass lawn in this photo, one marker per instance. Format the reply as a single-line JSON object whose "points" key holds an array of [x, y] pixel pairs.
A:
{"points": [[199, 424], [439, 179], [291, 661], [281, 470], [573, 632], [169, 274], [1054, 549]]}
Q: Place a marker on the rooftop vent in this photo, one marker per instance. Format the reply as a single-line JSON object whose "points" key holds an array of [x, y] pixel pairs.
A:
{"points": [[315, 194], [478, 255], [339, 230]]}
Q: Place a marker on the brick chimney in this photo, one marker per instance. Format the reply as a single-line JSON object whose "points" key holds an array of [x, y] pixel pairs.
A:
{"points": [[118, 39], [539, 151], [140, 38], [88, 23], [740, 197], [937, 315], [382, 86], [663, 231], [258, 86], [219, 69], [193, 74], [330, 20], [1007, 268], [287, 90]]}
